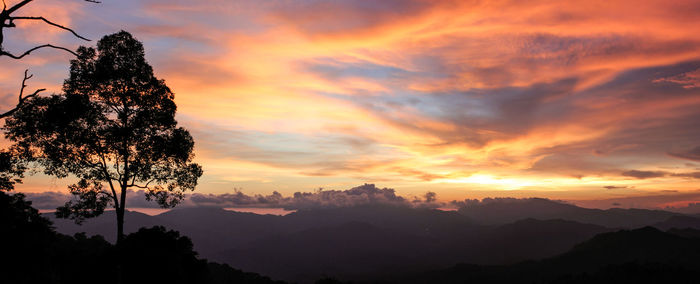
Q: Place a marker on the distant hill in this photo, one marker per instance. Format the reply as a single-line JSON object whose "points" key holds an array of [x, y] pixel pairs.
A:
{"points": [[427, 221], [362, 251], [531, 239], [348, 251], [370, 241], [214, 229], [105, 225], [678, 222], [507, 210], [645, 255], [686, 233]]}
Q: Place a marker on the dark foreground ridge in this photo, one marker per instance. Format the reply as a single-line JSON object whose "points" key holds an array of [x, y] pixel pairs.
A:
{"points": [[32, 252], [367, 244], [645, 255]]}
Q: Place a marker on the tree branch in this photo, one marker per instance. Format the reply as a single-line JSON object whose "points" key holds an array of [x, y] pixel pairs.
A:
{"points": [[109, 179], [17, 6], [24, 85], [6, 21], [22, 98], [142, 186], [50, 23], [2, 52]]}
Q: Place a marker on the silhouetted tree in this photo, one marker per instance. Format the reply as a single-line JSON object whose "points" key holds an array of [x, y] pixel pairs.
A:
{"points": [[115, 125], [11, 170]]}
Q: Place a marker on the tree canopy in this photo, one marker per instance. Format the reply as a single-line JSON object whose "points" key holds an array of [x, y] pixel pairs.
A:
{"points": [[12, 169], [113, 127]]}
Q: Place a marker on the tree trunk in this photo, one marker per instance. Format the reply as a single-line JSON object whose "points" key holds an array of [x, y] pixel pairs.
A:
{"points": [[120, 214], [120, 224], [120, 238]]}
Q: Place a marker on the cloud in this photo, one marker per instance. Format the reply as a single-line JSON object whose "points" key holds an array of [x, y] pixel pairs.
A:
{"points": [[367, 194], [650, 200], [687, 80], [470, 203], [692, 154], [50, 200], [47, 200], [644, 174], [345, 92], [343, 18], [615, 187], [695, 175]]}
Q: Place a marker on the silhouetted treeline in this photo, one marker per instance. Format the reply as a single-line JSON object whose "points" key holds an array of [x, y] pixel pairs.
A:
{"points": [[32, 252]]}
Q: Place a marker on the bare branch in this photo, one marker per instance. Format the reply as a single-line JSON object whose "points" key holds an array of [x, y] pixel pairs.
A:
{"points": [[7, 21], [109, 179], [50, 23], [141, 186], [2, 52], [24, 85], [22, 98]]}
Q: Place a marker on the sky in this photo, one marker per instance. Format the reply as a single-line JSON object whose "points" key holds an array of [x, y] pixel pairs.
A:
{"points": [[575, 100]]}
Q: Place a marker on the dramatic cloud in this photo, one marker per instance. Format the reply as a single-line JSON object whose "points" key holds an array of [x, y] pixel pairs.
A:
{"points": [[462, 97]]}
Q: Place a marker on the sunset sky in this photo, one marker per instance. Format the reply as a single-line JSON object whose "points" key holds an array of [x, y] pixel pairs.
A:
{"points": [[469, 99]]}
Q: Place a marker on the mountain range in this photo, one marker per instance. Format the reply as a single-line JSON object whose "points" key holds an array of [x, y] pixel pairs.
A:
{"points": [[384, 242]]}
